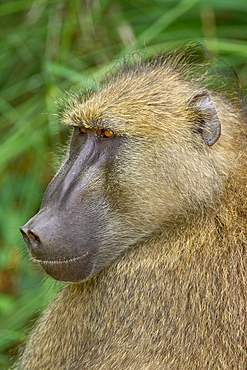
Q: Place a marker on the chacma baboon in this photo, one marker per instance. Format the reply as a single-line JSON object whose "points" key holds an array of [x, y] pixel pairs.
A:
{"points": [[147, 220]]}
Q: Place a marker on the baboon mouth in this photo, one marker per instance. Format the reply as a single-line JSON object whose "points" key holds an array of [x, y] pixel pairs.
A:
{"points": [[73, 269], [61, 261]]}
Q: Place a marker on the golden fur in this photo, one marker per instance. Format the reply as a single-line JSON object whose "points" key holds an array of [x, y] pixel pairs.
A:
{"points": [[178, 299]]}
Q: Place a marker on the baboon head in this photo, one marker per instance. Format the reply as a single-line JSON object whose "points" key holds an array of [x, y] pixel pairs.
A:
{"points": [[146, 155]]}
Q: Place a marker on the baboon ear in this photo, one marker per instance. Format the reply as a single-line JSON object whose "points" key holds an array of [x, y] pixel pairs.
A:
{"points": [[208, 123]]}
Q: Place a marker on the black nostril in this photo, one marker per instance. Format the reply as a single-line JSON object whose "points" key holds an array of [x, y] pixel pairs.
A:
{"points": [[31, 238]]}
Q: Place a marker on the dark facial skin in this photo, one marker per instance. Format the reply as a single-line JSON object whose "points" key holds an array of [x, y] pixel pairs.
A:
{"points": [[63, 236]]}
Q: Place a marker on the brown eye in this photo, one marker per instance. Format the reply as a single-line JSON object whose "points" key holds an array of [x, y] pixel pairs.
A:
{"points": [[107, 133], [83, 130]]}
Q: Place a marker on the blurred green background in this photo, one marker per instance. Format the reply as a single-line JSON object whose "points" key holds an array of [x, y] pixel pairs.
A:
{"points": [[49, 47]]}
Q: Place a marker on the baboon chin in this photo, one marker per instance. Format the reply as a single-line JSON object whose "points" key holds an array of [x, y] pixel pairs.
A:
{"points": [[148, 216]]}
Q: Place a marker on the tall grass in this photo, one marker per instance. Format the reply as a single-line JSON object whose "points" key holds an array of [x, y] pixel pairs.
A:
{"points": [[52, 46]]}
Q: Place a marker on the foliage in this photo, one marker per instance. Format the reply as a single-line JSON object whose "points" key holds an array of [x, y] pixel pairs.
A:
{"points": [[52, 46]]}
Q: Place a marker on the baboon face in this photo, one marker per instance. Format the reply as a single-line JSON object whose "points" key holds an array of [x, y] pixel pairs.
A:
{"points": [[117, 189]]}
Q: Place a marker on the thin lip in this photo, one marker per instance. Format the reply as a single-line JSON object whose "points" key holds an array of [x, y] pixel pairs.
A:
{"points": [[61, 262]]}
